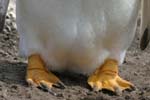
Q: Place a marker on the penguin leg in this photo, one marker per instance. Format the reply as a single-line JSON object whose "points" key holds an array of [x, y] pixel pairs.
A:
{"points": [[106, 77], [38, 75]]}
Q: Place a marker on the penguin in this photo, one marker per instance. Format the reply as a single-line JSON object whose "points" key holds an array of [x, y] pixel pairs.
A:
{"points": [[90, 37], [145, 24]]}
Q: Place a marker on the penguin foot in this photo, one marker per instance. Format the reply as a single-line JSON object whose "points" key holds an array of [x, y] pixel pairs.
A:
{"points": [[39, 76], [106, 77]]}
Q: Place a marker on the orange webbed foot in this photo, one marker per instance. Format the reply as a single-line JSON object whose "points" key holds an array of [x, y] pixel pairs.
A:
{"points": [[39, 76], [106, 77]]}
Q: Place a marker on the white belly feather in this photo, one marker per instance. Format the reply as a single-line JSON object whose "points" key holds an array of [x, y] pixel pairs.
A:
{"points": [[76, 34]]}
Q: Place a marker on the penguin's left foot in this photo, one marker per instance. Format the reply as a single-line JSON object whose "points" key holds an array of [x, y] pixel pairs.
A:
{"points": [[106, 77], [39, 76]]}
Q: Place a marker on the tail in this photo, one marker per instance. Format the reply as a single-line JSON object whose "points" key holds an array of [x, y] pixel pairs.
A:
{"points": [[145, 24]]}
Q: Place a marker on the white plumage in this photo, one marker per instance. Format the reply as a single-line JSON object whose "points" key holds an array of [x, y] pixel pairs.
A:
{"points": [[76, 34]]}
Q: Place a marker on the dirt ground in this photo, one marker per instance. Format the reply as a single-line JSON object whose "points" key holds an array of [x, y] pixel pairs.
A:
{"points": [[136, 69]]}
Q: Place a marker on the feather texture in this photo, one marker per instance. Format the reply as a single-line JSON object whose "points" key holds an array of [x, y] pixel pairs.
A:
{"points": [[76, 34]]}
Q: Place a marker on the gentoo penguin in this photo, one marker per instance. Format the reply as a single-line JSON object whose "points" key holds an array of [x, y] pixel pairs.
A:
{"points": [[84, 36], [145, 23]]}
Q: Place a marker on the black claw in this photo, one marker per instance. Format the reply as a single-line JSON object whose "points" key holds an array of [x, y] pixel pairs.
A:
{"points": [[132, 88], [43, 87], [46, 88], [52, 92], [60, 85]]}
